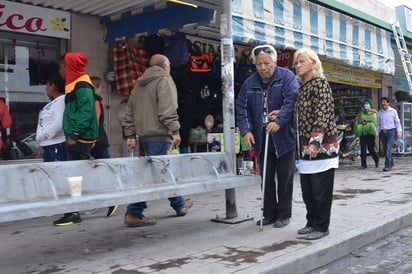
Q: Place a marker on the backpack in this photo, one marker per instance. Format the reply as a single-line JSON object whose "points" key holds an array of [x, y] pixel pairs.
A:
{"points": [[176, 49]]}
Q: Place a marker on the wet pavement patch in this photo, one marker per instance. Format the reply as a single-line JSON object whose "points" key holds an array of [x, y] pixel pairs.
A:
{"points": [[169, 264], [357, 191], [236, 256], [350, 193], [343, 197], [282, 245], [124, 271], [400, 173], [50, 270], [399, 202]]}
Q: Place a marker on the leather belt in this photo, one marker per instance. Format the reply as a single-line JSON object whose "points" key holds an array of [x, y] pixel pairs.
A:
{"points": [[387, 130]]}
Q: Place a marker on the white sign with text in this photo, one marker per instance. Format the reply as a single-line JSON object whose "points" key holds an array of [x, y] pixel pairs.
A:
{"points": [[31, 19]]}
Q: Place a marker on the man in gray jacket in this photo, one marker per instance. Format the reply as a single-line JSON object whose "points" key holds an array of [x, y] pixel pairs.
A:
{"points": [[151, 114]]}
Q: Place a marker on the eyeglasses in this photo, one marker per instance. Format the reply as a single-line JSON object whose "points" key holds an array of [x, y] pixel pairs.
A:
{"points": [[263, 49]]}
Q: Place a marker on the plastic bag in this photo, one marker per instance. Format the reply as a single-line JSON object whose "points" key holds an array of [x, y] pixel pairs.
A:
{"points": [[173, 149]]}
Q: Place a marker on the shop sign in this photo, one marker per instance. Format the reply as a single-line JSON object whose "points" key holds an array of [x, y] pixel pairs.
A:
{"points": [[352, 76], [30, 19], [285, 57]]}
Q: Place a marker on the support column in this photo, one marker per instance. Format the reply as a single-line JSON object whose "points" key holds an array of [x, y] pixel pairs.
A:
{"points": [[227, 60]]}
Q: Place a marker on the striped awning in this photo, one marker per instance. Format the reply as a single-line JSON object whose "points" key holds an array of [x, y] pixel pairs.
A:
{"points": [[299, 23]]}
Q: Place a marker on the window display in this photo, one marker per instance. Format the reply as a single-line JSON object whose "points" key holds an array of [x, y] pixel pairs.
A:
{"points": [[348, 101], [405, 115], [25, 63]]}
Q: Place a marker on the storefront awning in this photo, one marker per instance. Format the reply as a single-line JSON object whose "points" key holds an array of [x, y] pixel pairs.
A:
{"points": [[300, 23], [173, 18]]}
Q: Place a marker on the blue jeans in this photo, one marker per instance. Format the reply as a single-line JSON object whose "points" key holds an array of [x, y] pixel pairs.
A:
{"points": [[388, 138], [177, 203], [56, 152]]}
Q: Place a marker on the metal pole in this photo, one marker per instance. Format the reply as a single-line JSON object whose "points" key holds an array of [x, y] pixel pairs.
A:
{"points": [[227, 60]]}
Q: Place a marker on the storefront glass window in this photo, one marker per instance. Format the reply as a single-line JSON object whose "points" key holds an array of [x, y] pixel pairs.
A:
{"points": [[25, 63]]}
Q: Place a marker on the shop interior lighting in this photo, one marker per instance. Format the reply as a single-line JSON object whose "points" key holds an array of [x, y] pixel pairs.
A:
{"points": [[183, 3]]}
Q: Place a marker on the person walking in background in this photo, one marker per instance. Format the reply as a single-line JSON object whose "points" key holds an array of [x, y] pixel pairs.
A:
{"points": [[318, 143], [5, 122], [79, 119], [101, 148], [151, 114], [365, 129], [279, 88], [49, 132], [388, 128]]}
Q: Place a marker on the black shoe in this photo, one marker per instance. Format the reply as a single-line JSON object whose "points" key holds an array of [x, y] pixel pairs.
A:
{"points": [[279, 223], [266, 221], [68, 219], [305, 230], [314, 235], [377, 163], [112, 210]]}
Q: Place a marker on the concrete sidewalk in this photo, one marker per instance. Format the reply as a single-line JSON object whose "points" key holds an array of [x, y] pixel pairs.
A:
{"points": [[368, 204]]}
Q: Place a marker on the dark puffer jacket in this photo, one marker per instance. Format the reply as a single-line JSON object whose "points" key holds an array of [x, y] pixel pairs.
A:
{"points": [[282, 94]]}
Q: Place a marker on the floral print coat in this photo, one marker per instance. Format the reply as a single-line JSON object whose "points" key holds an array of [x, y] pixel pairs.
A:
{"points": [[316, 119]]}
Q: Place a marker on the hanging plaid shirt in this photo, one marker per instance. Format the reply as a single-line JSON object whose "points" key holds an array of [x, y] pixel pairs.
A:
{"points": [[129, 63]]}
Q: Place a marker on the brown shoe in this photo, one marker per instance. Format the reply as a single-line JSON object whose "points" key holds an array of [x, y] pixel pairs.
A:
{"points": [[183, 211], [132, 221]]}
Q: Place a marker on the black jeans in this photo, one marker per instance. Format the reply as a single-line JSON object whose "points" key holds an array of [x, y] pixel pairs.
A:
{"points": [[278, 206], [317, 192], [368, 141], [80, 151]]}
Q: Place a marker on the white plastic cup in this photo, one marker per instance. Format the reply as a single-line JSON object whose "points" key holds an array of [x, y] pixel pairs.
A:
{"points": [[75, 185]]}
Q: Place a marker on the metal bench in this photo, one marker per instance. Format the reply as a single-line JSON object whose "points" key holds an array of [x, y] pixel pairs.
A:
{"points": [[31, 190]]}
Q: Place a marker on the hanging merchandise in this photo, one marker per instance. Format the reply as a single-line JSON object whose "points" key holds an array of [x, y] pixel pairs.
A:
{"points": [[200, 62], [176, 49], [129, 63], [216, 69], [245, 67], [153, 44]]}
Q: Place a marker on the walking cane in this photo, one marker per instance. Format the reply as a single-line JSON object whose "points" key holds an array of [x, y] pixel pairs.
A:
{"points": [[265, 122]]}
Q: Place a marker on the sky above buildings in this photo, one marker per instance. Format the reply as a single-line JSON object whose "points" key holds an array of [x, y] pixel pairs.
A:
{"points": [[395, 3]]}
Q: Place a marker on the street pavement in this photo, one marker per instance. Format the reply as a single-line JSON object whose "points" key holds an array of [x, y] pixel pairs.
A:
{"points": [[368, 204]]}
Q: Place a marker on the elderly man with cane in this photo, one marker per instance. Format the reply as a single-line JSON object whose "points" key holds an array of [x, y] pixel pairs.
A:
{"points": [[264, 111]]}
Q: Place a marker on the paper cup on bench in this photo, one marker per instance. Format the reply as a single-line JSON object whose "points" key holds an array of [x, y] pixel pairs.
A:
{"points": [[75, 185]]}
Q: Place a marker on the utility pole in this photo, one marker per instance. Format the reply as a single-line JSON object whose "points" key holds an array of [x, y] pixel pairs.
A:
{"points": [[227, 60]]}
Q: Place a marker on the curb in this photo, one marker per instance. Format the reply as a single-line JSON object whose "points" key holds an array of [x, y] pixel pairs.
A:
{"points": [[333, 247]]}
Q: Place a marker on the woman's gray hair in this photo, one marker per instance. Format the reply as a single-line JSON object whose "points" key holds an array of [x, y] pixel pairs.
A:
{"points": [[261, 49]]}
